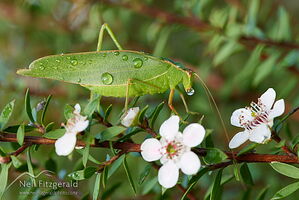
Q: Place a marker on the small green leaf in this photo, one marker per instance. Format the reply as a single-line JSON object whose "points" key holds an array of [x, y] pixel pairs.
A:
{"points": [[16, 162], [246, 175], [85, 154], [149, 185], [262, 194], [45, 109], [107, 112], [6, 113], [224, 180], [55, 134], [115, 166], [90, 158], [248, 148], [68, 111], [89, 172], [3, 178], [216, 185], [107, 193], [110, 132], [214, 155], [145, 173], [30, 167], [285, 169], [21, 134], [97, 185], [104, 177], [92, 104], [286, 191], [125, 164], [194, 180], [226, 51], [142, 114], [153, 117], [28, 106]]}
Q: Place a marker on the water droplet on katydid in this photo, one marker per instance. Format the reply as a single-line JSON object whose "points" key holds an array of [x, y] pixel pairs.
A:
{"points": [[116, 53], [104, 54], [90, 62], [190, 91], [68, 58], [107, 78], [145, 58], [125, 57], [79, 80], [137, 62], [41, 66], [74, 62], [57, 60], [55, 67]]}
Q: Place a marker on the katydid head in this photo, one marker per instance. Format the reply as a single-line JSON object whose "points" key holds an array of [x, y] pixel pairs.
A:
{"points": [[188, 81]]}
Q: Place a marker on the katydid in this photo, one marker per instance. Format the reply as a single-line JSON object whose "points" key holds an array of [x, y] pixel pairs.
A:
{"points": [[115, 73]]}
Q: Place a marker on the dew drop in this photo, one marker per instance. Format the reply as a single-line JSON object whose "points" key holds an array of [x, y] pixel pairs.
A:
{"points": [[79, 80], [41, 66], [68, 58], [190, 91], [55, 67], [125, 57], [116, 53], [145, 58], [90, 62], [107, 78], [74, 62], [137, 62], [104, 54], [57, 60]]}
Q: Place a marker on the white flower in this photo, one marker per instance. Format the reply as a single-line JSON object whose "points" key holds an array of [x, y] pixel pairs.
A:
{"points": [[257, 119], [66, 144], [130, 116], [174, 150]]}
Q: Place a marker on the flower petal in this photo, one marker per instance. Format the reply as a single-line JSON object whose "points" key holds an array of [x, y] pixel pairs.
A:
{"points": [[170, 127], [238, 139], [66, 144], [150, 149], [268, 98], [260, 134], [240, 116], [189, 163], [168, 175], [130, 116], [193, 134], [80, 126], [77, 109], [278, 109]]}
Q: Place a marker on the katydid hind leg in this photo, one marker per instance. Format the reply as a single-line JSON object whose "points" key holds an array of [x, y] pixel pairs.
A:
{"points": [[110, 33], [170, 101]]}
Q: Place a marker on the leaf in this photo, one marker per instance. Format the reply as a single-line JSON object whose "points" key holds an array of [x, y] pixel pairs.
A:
{"points": [[6, 113], [246, 175], [110, 132], [92, 104], [107, 193], [96, 189], [226, 51], [90, 158], [86, 154], [149, 185], [89, 172], [262, 194], [16, 162], [28, 106], [224, 180], [265, 68], [248, 148], [216, 185], [55, 134], [194, 180], [21, 134], [115, 166], [214, 155], [286, 191], [104, 177], [68, 111], [145, 173], [14, 129], [4, 177], [45, 109], [285, 169], [107, 112], [155, 114], [29, 165], [125, 164], [142, 114]]}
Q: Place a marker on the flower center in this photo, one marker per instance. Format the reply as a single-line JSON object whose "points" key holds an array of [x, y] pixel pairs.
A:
{"points": [[259, 113]]}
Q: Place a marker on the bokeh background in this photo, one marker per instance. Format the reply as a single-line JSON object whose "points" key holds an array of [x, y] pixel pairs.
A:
{"points": [[240, 48]]}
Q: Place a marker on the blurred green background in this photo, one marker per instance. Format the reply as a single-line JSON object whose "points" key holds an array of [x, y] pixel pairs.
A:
{"points": [[240, 48]]}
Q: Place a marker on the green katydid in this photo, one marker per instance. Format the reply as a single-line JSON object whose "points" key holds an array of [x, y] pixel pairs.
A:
{"points": [[116, 73]]}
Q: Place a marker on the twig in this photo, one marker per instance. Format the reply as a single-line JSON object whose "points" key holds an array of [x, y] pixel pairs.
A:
{"points": [[109, 162]]}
